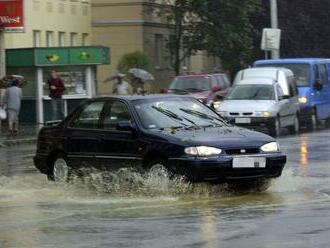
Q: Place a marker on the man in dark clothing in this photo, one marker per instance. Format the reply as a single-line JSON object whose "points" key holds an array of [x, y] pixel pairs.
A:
{"points": [[56, 90]]}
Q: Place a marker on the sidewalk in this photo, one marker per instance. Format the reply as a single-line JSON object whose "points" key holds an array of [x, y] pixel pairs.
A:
{"points": [[26, 135]]}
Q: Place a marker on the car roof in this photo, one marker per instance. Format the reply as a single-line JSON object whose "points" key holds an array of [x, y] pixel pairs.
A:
{"points": [[201, 75], [269, 69], [293, 60], [140, 97], [257, 81]]}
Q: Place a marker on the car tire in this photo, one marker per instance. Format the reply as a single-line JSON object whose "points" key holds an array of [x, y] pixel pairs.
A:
{"points": [[275, 129], [295, 128], [312, 121], [60, 170]]}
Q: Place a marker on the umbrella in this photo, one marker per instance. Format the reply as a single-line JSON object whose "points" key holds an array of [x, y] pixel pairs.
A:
{"points": [[142, 74], [114, 77], [7, 81]]}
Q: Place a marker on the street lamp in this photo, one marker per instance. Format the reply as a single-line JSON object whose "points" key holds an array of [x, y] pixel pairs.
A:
{"points": [[274, 24]]}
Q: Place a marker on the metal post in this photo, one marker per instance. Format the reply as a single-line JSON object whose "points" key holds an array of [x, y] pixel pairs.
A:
{"points": [[2, 64], [274, 24], [39, 98]]}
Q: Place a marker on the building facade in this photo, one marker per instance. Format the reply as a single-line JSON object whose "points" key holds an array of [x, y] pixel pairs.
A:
{"points": [[53, 23], [130, 25]]}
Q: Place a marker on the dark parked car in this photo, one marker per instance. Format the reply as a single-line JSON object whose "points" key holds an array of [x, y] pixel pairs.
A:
{"points": [[204, 87], [176, 134]]}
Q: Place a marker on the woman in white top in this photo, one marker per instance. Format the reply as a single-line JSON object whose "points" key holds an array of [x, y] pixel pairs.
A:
{"points": [[121, 87]]}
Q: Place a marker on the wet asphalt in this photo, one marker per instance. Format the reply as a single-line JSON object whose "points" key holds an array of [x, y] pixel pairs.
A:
{"points": [[143, 212]]}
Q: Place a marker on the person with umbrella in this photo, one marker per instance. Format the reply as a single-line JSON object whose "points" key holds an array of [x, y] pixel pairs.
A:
{"points": [[140, 76], [121, 87]]}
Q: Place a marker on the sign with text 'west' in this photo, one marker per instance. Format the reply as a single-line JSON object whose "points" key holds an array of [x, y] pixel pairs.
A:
{"points": [[12, 15]]}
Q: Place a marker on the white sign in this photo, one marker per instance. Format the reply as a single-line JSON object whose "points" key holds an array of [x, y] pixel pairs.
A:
{"points": [[271, 39]]}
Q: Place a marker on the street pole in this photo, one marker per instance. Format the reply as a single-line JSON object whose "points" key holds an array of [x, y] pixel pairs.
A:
{"points": [[2, 64], [274, 24]]}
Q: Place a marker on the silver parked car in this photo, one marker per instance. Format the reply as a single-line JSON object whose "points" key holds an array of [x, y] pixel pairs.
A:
{"points": [[261, 102]]}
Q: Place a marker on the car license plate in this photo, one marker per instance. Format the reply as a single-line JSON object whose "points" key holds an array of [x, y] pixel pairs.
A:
{"points": [[243, 120], [249, 162]]}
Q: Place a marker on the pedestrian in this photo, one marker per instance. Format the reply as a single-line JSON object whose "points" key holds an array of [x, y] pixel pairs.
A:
{"points": [[56, 90], [121, 87], [138, 86], [12, 103]]}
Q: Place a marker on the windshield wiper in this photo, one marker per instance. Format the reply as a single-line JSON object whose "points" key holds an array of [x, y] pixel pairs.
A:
{"points": [[175, 116], [203, 116]]}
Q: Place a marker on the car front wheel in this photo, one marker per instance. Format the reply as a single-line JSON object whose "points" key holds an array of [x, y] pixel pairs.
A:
{"points": [[275, 128], [295, 128], [60, 170]]}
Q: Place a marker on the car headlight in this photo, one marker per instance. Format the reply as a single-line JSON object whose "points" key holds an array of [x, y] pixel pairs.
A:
{"points": [[202, 151], [303, 100], [263, 114], [216, 105], [270, 147]]}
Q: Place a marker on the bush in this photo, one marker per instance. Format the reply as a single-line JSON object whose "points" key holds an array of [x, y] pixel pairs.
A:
{"points": [[135, 59]]}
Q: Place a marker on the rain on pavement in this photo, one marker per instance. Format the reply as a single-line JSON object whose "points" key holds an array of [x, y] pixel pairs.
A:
{"points": [[144, 212]]}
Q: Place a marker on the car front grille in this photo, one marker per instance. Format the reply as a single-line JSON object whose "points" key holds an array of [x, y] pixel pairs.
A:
{"points": [[242, 151]]}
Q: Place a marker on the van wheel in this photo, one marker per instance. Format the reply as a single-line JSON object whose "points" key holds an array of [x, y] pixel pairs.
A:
{"points": [[295, 128], [60, 169], [312, 122], [275, 129]]}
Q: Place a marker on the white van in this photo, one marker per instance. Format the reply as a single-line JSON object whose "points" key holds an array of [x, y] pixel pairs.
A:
{"points": [[283, 76]]}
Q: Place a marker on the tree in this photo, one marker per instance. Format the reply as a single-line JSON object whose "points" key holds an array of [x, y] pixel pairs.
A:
{"points": [[303, 24], [226, 30], [135, 59]]}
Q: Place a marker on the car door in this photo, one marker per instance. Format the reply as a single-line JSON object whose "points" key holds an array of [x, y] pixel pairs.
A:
{"points": [[284, 107], [119, 148], [83, 135]]}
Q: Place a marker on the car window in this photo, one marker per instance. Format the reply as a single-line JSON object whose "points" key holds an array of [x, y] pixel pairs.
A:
{"points": [[316, 74], [292, 86], [221, 81], [280, 92], [89, 117], [324, 74], [118, 112]]}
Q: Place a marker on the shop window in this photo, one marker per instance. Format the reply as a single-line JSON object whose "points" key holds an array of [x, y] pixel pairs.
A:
{"points": [[36, 38], [74, 79], [158, 50], [73, 39], [36, 5], [49, 38], [85, 10], [73, 9], [61, 39]]}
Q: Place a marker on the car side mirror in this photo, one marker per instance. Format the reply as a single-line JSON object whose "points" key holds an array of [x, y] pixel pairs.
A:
{"points": [[317, 85], [125, 126], [284, 97]]}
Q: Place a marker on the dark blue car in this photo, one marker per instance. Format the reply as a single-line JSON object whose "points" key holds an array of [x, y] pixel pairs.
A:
{"points": [[176, 134]]}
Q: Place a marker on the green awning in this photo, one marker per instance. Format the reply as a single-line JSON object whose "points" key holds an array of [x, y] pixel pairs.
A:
{"points": [[57, 56]]}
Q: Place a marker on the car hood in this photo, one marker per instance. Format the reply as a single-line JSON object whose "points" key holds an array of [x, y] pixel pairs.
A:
{"points": [[220, 137], [245, 105]]}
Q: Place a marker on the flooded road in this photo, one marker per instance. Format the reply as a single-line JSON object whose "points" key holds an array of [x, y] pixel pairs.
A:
{"points": [[141, 211]]}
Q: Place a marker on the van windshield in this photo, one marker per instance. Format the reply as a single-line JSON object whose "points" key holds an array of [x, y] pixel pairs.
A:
{"points": [[252, 92], [301, 72]]}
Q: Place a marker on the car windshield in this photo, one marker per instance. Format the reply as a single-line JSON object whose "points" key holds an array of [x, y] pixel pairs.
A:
{"points": [[198, 83], [252, 92], [301, 72], [176, 113]]}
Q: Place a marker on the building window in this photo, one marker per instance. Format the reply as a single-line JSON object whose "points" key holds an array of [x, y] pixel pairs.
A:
{"points": [[36, 38], [85, 10], [36, 5], [84, 39], [73, 39], [61, 8], [61, 39], [49, 38], [158, 50], [49, 6], [73, 9]]}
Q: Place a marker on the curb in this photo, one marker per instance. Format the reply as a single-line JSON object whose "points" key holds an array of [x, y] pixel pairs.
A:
{"points": [[17, 142]]}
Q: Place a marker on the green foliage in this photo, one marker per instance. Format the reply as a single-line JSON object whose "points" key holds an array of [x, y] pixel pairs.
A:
{"points": [[135, 59]]}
